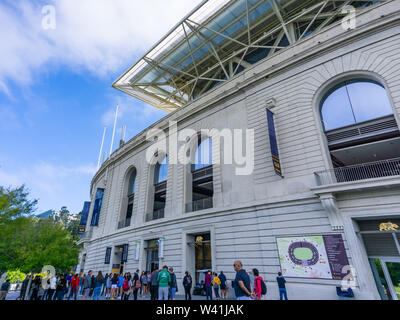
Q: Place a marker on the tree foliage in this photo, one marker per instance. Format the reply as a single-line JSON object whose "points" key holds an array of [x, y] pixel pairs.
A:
{"points": [[28, 243]]}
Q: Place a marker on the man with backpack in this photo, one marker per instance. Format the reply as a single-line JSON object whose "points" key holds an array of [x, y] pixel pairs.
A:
{"points": [[260, 289], [163, 279], [222, 278]]}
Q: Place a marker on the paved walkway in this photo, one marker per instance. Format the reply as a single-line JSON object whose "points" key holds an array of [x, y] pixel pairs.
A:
{"points": [[13, 295]]}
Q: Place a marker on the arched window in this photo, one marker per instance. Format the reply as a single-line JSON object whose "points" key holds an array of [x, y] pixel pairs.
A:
{"points": [[202, 189], [129, 200], [160, 190], [161, 171], [353, 102], [360, 127]]}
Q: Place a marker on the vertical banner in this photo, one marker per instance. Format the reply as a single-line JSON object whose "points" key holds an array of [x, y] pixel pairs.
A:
{"points": [[108, 256], [97, 208], [161, 248], [137, 251], [274, 144], [125, 253], [84, 217]]}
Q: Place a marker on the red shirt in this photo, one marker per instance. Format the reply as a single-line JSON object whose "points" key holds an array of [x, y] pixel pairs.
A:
{"points": [[257, 287], [75, 282]]}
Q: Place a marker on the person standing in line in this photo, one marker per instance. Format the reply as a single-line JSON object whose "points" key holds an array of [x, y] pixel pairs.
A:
{"points": [[5, 287], [114, 286], [108, 286], [87, 285], [98, 283], [23, 288], [173, 285], [46, 285], [36, 284], [136, 284], [163, 279], [103, 287], [74, 287], [258, 284], [223, 287], [242, 285], [282, 286], [154, 285], [52, 288], [208, 284], [81, 282], [144, 281], [216, 285], [187, 284], [68, 279], [61, 287], [120, 282], [126, 288]]}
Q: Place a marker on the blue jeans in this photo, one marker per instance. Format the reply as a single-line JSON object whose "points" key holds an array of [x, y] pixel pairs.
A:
{"points": [[209, 292], [243, 298], [172, 292], [282, 293], [73, 293], [216, 291], [96, 293]]}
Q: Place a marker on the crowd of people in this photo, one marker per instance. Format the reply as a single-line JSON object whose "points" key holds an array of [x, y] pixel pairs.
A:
{"points": [[157, 285]]}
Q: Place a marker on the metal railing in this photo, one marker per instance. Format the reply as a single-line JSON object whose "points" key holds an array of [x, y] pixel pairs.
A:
{"points": [[158, 214], [124, 223], [370, 170], [198, 205]]}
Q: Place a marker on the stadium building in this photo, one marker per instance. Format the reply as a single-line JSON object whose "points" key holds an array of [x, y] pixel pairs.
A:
{"points": [[315, 87]]}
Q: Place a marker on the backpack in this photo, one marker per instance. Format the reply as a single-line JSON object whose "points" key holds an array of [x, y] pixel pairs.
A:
{"points": [[263, 287], [138, 284], [125, 285]]}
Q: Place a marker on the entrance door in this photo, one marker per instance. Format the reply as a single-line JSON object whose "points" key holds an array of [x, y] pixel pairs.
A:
{"points": [[386, 271], [152, 256]]}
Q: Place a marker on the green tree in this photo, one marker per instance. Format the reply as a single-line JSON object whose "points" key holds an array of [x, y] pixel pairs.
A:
{"points": [[28, 243], [15, 210]]}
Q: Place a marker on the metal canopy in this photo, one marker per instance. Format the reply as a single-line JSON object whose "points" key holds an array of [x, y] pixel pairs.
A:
{"points": [[221, 38]]}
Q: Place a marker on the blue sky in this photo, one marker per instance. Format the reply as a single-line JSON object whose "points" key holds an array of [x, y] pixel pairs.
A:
{"points": [[55, 88]]}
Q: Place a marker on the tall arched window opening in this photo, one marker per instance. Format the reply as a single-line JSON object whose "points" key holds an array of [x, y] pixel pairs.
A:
{"points": [[160, 190], [361, 130], [130, 199], [202, 177]]}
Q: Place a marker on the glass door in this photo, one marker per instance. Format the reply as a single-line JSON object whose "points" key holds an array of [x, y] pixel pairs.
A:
{"points": [[386, 271]]}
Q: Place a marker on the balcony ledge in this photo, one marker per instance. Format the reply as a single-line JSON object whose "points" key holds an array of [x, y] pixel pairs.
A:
{"points": [[374, 183]]}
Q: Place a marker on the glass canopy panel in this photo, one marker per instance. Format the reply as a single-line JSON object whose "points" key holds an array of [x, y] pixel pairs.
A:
{"points": [[170, 62]]}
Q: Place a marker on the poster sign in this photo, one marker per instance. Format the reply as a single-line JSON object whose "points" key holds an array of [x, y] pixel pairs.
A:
{"points": [[137, 251], [125, 253], [108, 256], [84, 217], [161, 248], [314, 257], [274, 144]]}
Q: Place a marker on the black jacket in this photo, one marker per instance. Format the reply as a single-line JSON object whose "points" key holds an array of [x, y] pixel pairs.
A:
{"points": [[186, 283]]}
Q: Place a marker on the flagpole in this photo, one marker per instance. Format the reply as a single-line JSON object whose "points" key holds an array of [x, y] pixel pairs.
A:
{"points": [[101, 148], [113, 135]]}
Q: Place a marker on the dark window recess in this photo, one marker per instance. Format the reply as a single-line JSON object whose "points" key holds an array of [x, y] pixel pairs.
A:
{"points": [[202, 190]]}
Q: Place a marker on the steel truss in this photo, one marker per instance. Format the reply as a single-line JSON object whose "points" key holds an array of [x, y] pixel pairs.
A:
{"points": [[283, 24]]}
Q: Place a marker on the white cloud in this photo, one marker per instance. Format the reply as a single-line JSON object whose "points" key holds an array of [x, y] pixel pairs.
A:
{"points": [[54, 185], [99, 36]]}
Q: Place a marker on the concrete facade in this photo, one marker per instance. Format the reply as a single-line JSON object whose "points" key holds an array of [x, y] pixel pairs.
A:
{"points": [[251, 211]]}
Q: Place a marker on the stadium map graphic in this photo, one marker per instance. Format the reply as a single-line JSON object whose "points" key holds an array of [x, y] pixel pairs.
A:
{"points": [[304, 257]]}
